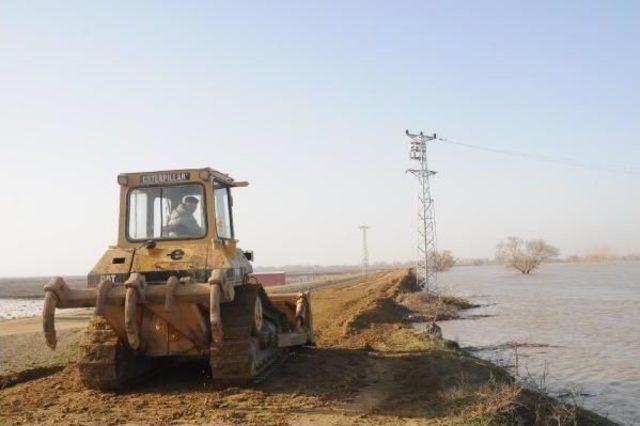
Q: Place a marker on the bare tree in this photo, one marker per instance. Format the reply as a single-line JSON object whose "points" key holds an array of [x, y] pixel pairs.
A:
{"points": [[523, 255], [443, 260]]}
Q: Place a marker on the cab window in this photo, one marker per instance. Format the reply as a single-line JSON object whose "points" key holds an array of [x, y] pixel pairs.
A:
{"points": [[166, 212], [224, 221]]}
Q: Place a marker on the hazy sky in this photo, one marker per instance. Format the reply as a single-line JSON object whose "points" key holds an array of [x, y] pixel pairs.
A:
{"points": [[309, 102]]}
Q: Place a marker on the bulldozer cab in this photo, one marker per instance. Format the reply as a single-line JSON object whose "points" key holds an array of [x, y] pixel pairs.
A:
{"points": [[176, 205], [175, 223]]}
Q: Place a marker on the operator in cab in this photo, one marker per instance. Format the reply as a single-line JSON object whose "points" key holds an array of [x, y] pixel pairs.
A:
{"points": [[182, 222]]}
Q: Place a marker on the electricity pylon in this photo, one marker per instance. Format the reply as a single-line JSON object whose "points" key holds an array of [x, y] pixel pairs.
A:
{"points": [[365, 250], [425, 268]]}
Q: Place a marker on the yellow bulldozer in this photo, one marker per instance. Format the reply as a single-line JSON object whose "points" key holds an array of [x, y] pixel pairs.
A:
{"points": [[177, 286]]}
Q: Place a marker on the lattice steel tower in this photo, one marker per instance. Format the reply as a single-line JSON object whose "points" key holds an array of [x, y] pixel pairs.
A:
{"points": [[365, 249], [425, 267]]}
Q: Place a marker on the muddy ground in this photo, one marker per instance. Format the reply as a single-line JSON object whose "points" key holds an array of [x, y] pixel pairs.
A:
{"points": [[369, 367]]}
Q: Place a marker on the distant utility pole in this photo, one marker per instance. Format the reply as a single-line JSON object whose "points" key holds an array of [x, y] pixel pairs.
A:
{"points": [[426, 271], [365, 250]]}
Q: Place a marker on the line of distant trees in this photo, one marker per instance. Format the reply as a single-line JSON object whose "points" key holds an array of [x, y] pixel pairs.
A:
{"points": [[444, 260], [513, 252], [601, 254]]}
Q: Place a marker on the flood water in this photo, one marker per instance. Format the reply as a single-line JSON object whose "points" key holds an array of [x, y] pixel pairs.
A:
{"points": [[20, 308], [23, 297], [578, 326]]}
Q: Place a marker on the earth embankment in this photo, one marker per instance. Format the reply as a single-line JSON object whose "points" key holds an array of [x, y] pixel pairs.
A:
{"points": [[369, 367]]}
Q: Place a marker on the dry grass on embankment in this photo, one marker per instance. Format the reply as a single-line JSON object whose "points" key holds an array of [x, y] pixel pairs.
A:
{"points": [[23, 354], [369, 367]]}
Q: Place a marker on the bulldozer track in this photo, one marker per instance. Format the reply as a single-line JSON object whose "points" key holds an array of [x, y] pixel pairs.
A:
{"points": [[247, 355], [105, 362], [271, 368]]}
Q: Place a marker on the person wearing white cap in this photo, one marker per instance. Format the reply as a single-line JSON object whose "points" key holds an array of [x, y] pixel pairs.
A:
{"points": [[182, 223]]}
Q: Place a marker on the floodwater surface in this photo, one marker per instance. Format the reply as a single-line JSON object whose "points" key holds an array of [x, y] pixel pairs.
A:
{"points": [[20, 308], [23, 297], [577, 327]]}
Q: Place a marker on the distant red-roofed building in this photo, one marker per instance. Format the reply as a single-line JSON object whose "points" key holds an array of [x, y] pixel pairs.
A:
{"points": [[270, 278]]}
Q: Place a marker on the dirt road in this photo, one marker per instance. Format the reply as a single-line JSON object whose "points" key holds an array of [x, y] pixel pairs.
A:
{"points": [[368, 368]]}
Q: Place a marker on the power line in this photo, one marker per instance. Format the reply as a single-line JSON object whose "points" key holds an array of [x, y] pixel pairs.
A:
{"points": [[545, 158]]}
